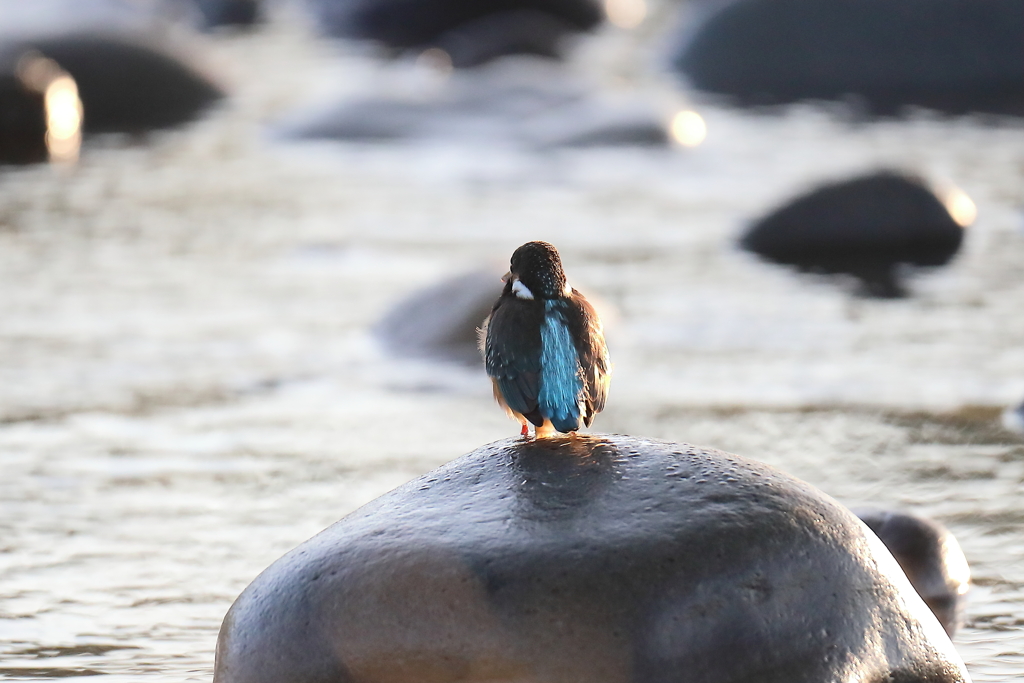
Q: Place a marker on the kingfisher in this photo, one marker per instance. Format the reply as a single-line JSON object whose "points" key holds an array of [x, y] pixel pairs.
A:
{"points": [[543, 346]]}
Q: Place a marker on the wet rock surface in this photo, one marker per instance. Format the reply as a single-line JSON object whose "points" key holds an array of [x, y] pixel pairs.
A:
{"points": [[863, 227], [588, 559], [954, 56]]}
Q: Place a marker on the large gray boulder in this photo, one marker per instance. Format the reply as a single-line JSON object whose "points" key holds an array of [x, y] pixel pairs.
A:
{"points": [[590, 559]]}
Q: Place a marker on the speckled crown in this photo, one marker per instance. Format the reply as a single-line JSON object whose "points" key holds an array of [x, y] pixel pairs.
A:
{"points": [[539, 267]]}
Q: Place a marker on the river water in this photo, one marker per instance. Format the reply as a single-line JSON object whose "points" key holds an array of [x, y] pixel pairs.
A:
{"points": [[189, 386]]}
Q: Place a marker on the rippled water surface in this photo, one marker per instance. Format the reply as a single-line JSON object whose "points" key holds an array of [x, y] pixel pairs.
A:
{"points": [[188, 387]]}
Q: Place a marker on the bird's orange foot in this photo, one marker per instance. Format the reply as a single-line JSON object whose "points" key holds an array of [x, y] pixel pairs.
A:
{"points": [[525, 431]]}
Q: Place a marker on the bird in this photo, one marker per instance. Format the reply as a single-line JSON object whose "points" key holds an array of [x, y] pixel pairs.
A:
{"points": [[543, 347]]}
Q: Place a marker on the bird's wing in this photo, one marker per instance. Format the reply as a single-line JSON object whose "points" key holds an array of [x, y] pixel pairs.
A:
{"points": [[588, 332], [512, 352]]}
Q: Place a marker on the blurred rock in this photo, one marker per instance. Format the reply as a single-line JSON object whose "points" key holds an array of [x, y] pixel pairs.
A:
{"points": [[865, 227], [518, 31], [473, 30], [124, 85], [954, 56], [931, 559], [22, 122], [515, 101], [229, 12], [441, 321], [588, 559]]}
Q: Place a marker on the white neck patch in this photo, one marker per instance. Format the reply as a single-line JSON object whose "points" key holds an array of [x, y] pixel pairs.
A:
{"points": [[521, 290]]}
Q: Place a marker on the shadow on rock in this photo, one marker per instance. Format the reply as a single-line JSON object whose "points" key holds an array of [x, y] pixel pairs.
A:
{"points": [[595, 559], [866, 227]]}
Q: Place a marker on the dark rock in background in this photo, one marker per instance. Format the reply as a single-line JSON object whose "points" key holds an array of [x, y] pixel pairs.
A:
{"points": [[931, 559], [954, 56], [517, 31], [228, 12], [533, 26], [865, 227], [125, 85], [588, 559], [22, 122], [514, 101], [441, 321]]}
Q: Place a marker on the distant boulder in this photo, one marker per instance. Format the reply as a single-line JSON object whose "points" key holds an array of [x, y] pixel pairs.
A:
{"points": [[228, 12], [866, 227], [517, 101], [124, 85], [954, 56], [472, 30], [511, 32], [441, 321], [930, 557]]}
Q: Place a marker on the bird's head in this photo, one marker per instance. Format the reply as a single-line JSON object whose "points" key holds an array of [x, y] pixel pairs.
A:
{"points": [[536, 272]]}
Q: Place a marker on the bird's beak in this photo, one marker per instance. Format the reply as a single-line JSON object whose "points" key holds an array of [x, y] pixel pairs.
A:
{"points": [[507, 276]]}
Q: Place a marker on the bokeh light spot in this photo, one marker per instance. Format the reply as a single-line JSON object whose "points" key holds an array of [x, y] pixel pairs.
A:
{"points": [[688, 128], [63, 108], [625, 13], [960, 207], [435, 59]]}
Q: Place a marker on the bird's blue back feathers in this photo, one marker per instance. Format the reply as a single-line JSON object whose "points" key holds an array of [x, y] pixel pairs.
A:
{"points": [[560, 381]]}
